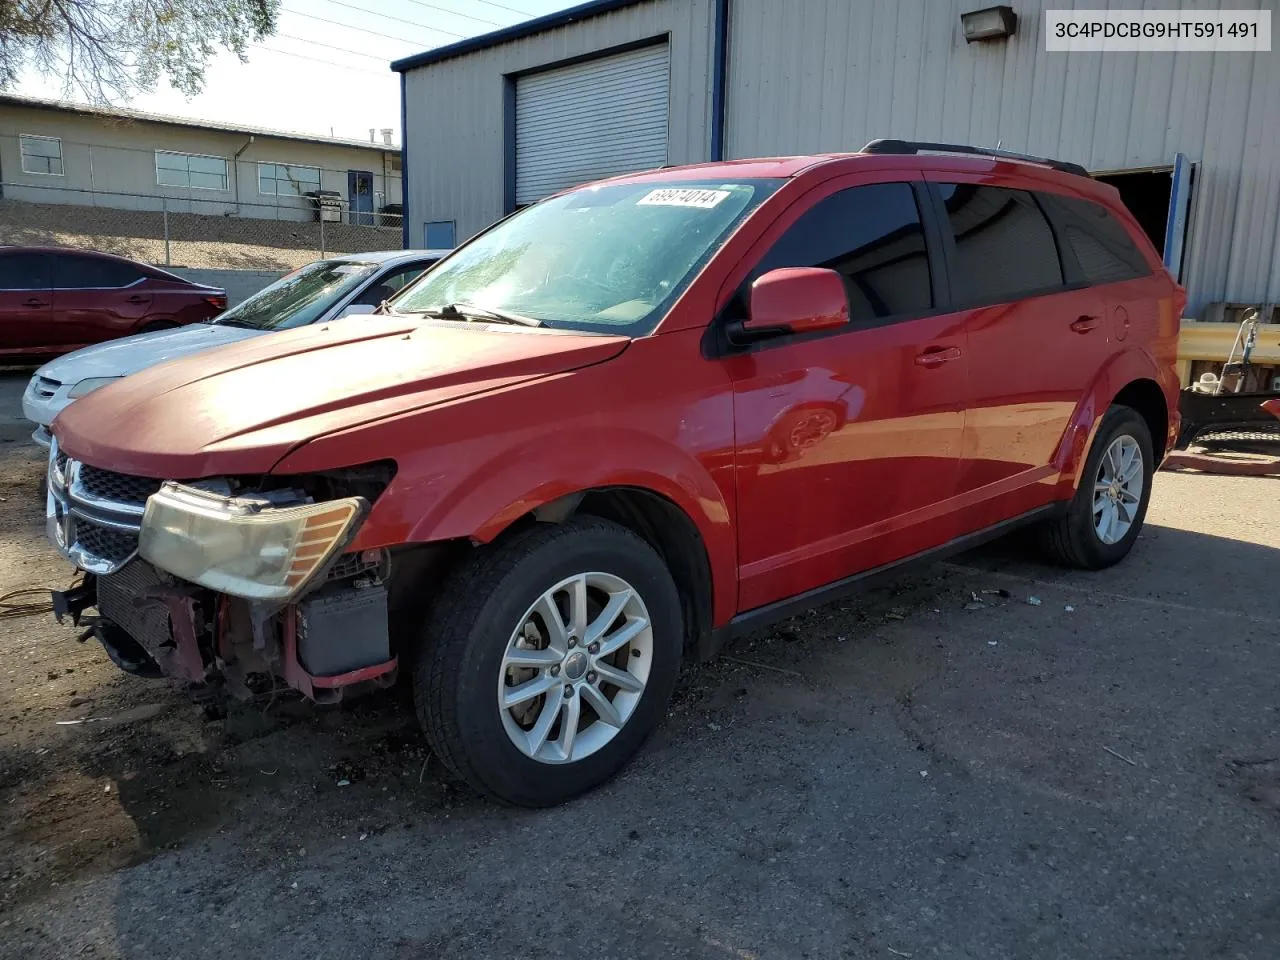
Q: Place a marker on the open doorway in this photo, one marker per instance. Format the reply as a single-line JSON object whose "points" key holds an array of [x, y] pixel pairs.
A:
{"points": [[1146, 193], [1160, 199]]}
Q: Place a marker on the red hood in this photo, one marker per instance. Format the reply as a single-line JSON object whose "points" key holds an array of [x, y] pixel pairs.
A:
{"points": [[238, 409]]}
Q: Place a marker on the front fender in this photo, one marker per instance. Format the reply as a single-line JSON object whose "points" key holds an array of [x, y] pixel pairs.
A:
{"points": [[656, 417], [1118, 372], [541, 469]]}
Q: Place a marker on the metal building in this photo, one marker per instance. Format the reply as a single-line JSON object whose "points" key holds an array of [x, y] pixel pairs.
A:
{"points": [[1192, 140]]}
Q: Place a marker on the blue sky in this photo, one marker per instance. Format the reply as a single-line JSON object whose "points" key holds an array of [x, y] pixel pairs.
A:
{"points": [[326, 69]]}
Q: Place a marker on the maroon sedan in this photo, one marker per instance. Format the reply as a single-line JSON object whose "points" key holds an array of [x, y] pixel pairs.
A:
{"points": [[54, 300]]}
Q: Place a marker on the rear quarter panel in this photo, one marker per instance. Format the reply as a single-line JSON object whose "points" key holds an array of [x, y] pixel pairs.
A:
{"points": [[178, 303]]}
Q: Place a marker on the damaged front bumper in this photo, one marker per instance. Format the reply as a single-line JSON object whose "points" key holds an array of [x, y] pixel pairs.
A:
{"points": [[153, 625]]}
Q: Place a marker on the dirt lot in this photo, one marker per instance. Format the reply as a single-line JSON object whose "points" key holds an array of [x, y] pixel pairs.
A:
{"points": [[917, 774]]}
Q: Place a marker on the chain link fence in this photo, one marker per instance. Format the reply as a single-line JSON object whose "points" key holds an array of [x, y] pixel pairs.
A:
{"points": [[255, 238], [193, 210]]}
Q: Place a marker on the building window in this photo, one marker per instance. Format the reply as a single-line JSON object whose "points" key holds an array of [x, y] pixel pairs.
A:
{"points": [[287, 179], [41, 155], [191, 170], [439, 235]]}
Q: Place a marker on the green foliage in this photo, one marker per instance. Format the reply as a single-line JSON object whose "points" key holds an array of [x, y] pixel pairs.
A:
{"points": [[109, 49]]}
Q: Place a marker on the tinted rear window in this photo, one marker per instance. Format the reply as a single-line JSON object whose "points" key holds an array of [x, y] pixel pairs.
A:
{"points": [[72, 272], [24, 271], [1101, 244], [1004, 245]]}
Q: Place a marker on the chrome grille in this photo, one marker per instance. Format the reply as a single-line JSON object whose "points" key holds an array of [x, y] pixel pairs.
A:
{"points": [[93, 515], [113, 546], [121, 487]]}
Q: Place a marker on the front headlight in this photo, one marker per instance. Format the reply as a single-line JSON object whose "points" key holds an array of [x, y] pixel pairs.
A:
{"points": [[244, 546], [90, 385]]}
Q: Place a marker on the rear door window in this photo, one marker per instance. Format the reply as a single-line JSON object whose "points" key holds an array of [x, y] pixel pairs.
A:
{"points": [[873, 237], [71, 272], [1102, 246], [24, 271], [1005, 249]]}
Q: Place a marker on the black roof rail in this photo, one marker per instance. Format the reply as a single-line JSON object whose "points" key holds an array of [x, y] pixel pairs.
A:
{"points": [[913, 146]]}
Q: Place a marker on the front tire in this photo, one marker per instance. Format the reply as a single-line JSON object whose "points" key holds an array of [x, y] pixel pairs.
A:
{"points": [[548, 660], [1105, 516]]}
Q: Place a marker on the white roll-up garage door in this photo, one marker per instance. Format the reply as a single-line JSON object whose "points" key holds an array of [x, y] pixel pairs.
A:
{"points": [[591, 120]]}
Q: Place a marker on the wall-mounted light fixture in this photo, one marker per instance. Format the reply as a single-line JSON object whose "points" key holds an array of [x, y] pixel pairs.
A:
{"points": [[991, 23]]}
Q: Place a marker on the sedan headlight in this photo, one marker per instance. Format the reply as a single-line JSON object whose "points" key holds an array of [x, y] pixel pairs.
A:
{"points": [[90, 385], [244, 546]]}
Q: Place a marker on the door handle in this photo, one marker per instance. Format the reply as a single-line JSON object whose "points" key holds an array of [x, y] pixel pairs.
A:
{"points": [[137, 299], [35, 302], [937, 356], [1084, 324]]}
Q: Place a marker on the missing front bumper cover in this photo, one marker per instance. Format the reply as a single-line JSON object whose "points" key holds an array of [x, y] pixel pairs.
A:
{"points": [[72, 603]]}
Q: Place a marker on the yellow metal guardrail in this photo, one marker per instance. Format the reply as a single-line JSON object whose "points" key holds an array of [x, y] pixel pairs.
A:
{"points": [[1201, 340]]}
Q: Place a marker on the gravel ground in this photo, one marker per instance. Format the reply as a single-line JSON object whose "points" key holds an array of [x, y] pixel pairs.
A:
{"points": [[909, 775]]}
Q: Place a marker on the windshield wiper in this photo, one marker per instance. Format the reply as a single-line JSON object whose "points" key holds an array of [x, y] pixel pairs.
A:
{"points": [[470, 311], [234, 322]]}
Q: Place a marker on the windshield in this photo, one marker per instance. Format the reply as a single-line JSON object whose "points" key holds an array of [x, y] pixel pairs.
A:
{"points": [[610, 259], [298, 298]]}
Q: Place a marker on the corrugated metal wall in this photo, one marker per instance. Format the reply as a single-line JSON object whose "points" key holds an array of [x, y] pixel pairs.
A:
{"points": [[454, 130], [829, 75]]}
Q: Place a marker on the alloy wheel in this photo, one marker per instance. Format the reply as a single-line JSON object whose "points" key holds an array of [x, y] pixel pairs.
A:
{"points": [[1117, 489], [575, 668]]}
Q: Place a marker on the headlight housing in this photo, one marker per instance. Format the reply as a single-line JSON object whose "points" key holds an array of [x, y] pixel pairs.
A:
{"points": [[245, 546], [89, 385]]}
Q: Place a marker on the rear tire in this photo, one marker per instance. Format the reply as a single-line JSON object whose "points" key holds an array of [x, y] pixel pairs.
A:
{"points": [[1105, 516], [519, 600]]}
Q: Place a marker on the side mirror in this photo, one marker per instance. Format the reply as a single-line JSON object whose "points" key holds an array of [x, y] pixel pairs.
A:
{"points": [[796, 300], [355, 310]]}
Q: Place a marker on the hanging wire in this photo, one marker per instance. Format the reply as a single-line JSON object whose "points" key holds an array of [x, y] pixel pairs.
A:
{"points": [[12, 606]]}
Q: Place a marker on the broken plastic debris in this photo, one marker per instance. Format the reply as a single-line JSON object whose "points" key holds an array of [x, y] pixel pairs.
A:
{"points": [[1001, 592], [344, 783], [992, 643], [72, 723], [1069, 608], [1034, 601], [975, 605]]}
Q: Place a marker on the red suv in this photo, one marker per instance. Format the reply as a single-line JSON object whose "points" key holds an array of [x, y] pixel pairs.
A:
{"points": [[621, 426], [54, 300]]}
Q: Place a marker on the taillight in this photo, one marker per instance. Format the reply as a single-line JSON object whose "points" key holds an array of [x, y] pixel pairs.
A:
{"points": [[218, 302]]}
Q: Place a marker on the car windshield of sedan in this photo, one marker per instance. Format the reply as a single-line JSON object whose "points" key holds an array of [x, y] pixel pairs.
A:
{"points": [[298, 298], [608, 259]]}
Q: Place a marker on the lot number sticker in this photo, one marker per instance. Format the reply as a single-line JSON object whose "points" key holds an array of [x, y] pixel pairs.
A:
{"points": [[705, 199]]}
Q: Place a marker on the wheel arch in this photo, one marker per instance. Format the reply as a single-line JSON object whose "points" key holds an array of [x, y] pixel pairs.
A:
{"points": [[1132, 379], [661, 492], [662, 523]]}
